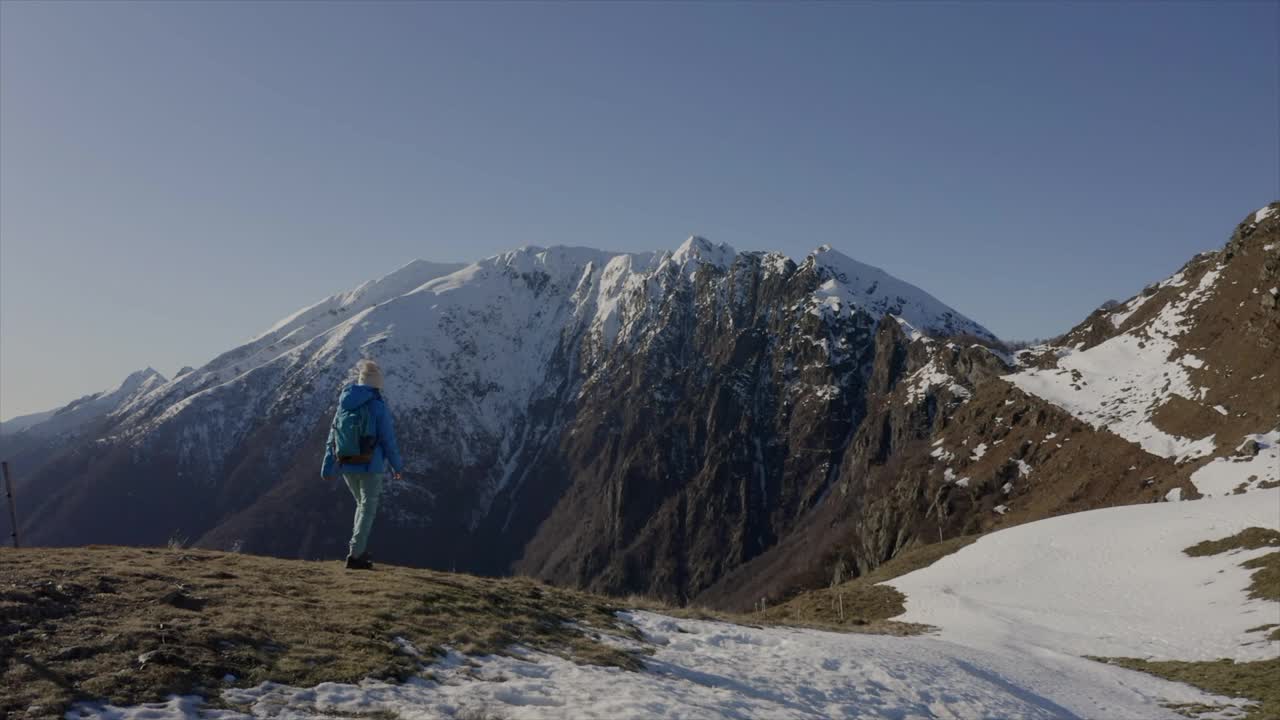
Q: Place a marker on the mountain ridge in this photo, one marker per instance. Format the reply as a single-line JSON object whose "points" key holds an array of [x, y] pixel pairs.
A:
{"points": [[486, 365], [654, 422]]}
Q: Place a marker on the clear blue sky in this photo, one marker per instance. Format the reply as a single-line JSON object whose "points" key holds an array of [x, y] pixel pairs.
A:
{"points": [[174, 177]]}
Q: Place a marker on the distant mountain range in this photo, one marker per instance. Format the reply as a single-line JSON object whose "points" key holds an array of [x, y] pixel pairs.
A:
{"points": [[701, 424]]}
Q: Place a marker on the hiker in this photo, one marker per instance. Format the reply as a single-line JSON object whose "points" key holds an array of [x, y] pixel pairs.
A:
{"points": [[361, 444]]}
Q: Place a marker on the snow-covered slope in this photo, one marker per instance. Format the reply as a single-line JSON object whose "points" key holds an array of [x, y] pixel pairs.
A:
{"points": [[1254, 462], [22, 422], [471, 350], [1185, 369], [288, 333], [310, 321], [1017, 612], [79, 413], [852, 284], [1120, 383], [1113, 582]]}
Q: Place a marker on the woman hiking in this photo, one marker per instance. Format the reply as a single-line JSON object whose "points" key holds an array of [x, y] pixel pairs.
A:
{"points": [[361, 445]]}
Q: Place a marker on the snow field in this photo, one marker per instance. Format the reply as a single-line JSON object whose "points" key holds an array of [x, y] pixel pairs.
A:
{"points": [[1111, 582]]}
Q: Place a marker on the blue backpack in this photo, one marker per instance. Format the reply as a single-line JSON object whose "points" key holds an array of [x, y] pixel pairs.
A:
{"points": [[355, 435]]}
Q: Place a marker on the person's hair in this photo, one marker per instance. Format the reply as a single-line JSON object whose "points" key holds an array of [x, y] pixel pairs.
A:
{"points": [[368, 373]]}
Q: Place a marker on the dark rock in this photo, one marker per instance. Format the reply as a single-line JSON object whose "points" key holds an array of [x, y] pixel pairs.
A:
{"points": [[180, 599], [74, 652], [161, 657]]}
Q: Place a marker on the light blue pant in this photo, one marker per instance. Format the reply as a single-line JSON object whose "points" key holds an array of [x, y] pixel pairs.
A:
{"points": [[365, 488]]}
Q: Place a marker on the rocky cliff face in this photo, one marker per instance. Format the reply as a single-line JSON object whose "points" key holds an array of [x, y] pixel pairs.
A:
{"points": [[703, 447]]}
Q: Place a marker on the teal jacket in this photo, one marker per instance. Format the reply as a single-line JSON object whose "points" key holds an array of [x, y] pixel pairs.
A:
{"points": [[385, 453]]}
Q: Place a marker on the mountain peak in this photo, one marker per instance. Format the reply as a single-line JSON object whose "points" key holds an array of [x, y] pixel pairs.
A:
{"points": [[702, 250], [851, 283], [135, 380]]}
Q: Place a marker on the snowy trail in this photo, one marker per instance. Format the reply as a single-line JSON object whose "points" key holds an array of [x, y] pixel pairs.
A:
{"points": [[703, 670], [1015, 611]]}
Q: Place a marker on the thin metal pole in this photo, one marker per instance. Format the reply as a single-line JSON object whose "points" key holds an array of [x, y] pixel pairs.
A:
{"points": [[13, 509]]}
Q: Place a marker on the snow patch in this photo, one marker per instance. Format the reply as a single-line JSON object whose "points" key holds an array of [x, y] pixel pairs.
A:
{"points": [[1119, 384], [931, 376], [1128, 309], [1226, 475]]}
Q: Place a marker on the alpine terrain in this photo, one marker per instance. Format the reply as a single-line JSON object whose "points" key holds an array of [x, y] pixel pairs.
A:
{"points": [[840, 497], [700, 425]]}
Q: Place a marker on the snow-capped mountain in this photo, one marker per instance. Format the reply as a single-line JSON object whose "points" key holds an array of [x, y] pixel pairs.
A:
{"points": [[699, 423], [29, 440], [514, 381], [79, 413]]}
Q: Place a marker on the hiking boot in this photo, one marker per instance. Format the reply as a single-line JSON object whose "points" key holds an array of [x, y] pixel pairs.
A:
{"points": [[359, 563]]}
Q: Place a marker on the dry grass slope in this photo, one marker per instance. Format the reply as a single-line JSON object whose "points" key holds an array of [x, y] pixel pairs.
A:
{"points": [[134, 625], [1259, 681], [862, 603]]}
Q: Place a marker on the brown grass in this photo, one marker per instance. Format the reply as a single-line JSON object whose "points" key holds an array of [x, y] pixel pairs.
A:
{"points": [[859, 605], [133, 625], [781, 615], [862, 604], [1265, 584], [1247, 539], [867, 606], [1273, 627], [1266, 577], [1258, 681]]}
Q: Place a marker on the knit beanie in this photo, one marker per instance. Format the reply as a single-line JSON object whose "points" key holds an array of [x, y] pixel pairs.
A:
{"points": [[369, 374]]}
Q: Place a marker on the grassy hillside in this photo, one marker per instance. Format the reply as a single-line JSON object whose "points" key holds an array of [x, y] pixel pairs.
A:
{"points": [[133, 624]]}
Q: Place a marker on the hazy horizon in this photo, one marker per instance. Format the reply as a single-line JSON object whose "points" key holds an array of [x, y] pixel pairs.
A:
{"points": [[175, 178]]}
